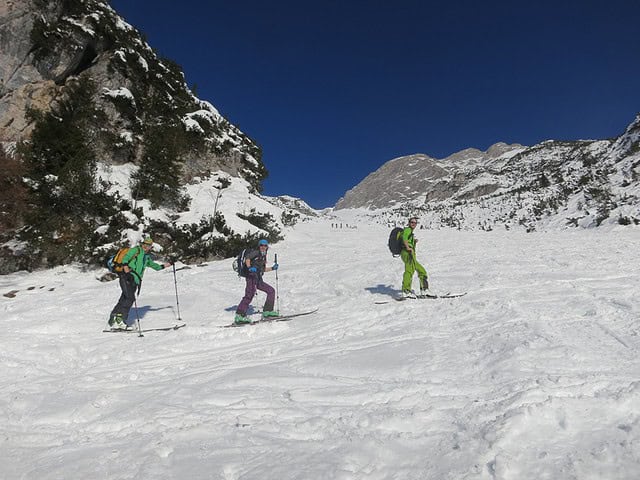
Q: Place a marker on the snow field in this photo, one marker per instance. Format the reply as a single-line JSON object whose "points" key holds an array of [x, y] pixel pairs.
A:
{"points": [[534, 374]]}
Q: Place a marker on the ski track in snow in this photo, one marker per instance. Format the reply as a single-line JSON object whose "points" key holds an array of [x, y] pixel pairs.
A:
{"points": [[534, 374]]}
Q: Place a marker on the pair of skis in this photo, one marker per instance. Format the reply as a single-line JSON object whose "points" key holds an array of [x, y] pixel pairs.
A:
{"points": [[135, 330], [423, 297], [280, 318]]}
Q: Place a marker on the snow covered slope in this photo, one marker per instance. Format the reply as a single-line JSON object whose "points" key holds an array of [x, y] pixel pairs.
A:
{"points": [[534, 374], [220, 206]]}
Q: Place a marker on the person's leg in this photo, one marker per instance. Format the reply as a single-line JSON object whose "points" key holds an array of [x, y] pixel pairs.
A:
{"points": [[249, 292], [271, 297], [422, 276], [409, 269], [121, 311]]}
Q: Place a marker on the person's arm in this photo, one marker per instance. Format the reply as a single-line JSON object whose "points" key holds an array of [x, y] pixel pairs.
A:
{"points": [[406, 234], [157, 266], [273, 268], [248, 261]]}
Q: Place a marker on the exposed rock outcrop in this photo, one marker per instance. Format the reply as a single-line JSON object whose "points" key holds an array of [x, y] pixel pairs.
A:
{"points": [[420, 177], [44, 44]]}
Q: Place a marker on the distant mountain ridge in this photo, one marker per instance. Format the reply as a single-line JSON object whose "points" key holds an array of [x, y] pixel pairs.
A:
{"points": [[577, 183], [411, 177]]}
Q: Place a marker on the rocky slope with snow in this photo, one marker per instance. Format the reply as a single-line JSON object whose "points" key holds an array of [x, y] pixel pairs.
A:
{"points": [[45, 45], [412, 177], [104, 142], [552, 184]]}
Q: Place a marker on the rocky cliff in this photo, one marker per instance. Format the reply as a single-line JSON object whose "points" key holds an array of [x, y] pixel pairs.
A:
{"points": [[419, 176], [46, 44]]}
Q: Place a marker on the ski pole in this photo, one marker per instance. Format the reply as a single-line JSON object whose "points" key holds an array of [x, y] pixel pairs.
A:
{"points": [[175, 281], [135, 302], [277, 291]]}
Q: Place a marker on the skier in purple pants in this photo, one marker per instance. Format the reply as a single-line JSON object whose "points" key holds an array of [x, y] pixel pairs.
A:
{"points": [[255, 266]]}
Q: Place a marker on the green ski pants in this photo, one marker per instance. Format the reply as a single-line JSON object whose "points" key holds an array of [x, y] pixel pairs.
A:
{"points": [[412, 266]]}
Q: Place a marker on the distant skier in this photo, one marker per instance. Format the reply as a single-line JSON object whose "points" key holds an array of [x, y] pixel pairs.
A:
{"points": [[135, 261], [411, 265], [255, 266]]}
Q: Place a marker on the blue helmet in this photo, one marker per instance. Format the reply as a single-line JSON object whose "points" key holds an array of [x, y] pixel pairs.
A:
{"points": [[263, 242]]}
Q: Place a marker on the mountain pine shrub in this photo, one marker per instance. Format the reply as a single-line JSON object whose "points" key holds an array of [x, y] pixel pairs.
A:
{"points": [[263, 221], [158, 178], [13, 193], [60, 170]]}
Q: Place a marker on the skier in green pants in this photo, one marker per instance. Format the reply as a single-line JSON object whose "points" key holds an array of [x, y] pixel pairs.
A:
{"points": [[411, 265]]}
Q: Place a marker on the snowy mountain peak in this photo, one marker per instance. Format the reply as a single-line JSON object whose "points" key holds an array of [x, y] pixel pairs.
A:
{"points": [[549, 185], [410, 178]]}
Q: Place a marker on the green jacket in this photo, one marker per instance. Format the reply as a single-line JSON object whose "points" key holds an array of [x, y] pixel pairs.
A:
{"points": [[137, 261], [407, 236]]}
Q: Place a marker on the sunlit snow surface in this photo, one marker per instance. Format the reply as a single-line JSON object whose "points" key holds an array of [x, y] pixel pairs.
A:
{"points": [[535, 374]]}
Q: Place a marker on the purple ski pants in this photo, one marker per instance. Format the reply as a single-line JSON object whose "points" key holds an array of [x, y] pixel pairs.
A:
{"points": [[254, 283]]}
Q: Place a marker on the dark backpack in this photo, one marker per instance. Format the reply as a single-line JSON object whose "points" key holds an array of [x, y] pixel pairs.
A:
{"points": [[395, 241], [239, 265]]}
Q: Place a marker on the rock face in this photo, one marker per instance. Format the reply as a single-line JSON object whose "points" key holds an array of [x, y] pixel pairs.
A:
{"points": [[397, 181], [21, 85], [46, 44], [419, 176]]}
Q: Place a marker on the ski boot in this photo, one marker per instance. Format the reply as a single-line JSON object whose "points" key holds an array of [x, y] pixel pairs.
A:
{"points": [[116, 323], [241, 319], [406, 294], [269, 314], [426, 293]]}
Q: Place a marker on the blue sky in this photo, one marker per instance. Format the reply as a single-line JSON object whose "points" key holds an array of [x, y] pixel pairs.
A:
{"points": [[333, 89]]}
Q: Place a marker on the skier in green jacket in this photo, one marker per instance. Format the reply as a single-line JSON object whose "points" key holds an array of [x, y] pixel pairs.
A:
{"points": [[411, 265], [135, 261]]}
